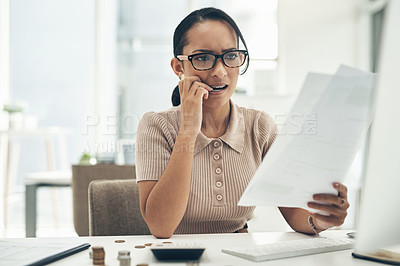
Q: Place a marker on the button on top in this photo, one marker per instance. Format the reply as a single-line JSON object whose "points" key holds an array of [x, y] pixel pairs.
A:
{"points": [[219, 197], [218, 170], [218, 184], [216, 156], [216, 144]]}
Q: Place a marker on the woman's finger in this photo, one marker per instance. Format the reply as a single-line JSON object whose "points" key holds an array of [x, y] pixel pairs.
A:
{"points": [[185, 83], [328, 198], [180, 86], [199, 84], [201, 92], [330, 209], [189, 84], [342, 190]]}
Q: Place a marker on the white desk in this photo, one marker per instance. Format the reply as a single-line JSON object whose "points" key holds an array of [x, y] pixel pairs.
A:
{"points": [[212, 255]]}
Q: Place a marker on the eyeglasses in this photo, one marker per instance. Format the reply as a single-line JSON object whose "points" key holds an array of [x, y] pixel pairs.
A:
{"points": [[206, 61]]}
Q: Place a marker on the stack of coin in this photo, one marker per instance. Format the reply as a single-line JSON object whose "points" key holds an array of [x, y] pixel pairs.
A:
{"points": [[124, 260], [123, 253], [98, 255]]}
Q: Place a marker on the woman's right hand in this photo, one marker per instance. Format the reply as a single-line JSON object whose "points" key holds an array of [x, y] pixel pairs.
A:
{"points": [[192, 91]]}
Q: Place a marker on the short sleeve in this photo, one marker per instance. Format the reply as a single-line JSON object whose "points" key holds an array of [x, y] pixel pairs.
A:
{"points": [[154, 145], [268, 131]]}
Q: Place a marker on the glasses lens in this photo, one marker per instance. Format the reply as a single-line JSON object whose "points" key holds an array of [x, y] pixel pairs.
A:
{"points": [[234, 59], [203, 61]]}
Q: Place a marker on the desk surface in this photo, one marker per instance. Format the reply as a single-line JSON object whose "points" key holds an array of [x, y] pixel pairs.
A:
{"points": [[212, 255]]}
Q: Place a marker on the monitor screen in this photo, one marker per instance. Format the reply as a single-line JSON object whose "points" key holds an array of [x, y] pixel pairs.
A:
{"points": [[379, 223]]}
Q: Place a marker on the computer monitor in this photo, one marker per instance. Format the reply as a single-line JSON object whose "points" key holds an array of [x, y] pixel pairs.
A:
{"points": [[379, 223]]}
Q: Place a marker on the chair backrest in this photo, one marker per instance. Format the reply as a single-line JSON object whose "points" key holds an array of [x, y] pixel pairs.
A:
{"points": [[114, 209], [82, 175]]}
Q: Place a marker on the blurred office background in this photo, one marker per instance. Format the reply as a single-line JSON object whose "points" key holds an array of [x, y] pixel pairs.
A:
{"points": [[94, 67]]}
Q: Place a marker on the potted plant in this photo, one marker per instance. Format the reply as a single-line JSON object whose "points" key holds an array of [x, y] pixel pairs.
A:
{"points": [[15, 114]]}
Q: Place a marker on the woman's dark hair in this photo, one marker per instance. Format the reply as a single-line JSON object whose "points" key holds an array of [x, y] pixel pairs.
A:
{"points": [[181, 40]]}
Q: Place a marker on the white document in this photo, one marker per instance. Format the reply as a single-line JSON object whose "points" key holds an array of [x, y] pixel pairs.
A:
{"points": [[36, 251], [318, 143]]}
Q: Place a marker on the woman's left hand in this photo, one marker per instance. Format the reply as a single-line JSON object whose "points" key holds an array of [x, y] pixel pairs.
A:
{"points": [[335, 208]]}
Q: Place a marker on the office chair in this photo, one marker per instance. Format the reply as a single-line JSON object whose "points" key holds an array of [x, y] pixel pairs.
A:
{"points": [[82, 175], [114, 209]]}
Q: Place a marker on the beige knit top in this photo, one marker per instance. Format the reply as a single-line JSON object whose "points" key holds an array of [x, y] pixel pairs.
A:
{"points": [[222, 167]]}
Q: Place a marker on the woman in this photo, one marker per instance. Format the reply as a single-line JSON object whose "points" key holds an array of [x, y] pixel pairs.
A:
{"points": [[195, 160]]}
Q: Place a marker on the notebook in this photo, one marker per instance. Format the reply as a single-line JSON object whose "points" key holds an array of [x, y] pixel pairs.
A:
{"points": [[36, 251]]}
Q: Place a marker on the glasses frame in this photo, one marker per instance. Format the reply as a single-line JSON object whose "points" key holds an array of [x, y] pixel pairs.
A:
{"points": [[190, 58]]}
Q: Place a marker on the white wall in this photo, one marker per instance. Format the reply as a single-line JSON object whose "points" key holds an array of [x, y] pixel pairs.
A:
{"points": [[4, 88], [4, 58], [103, 123], [146, 80], [52, 63], [315, 35]]}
